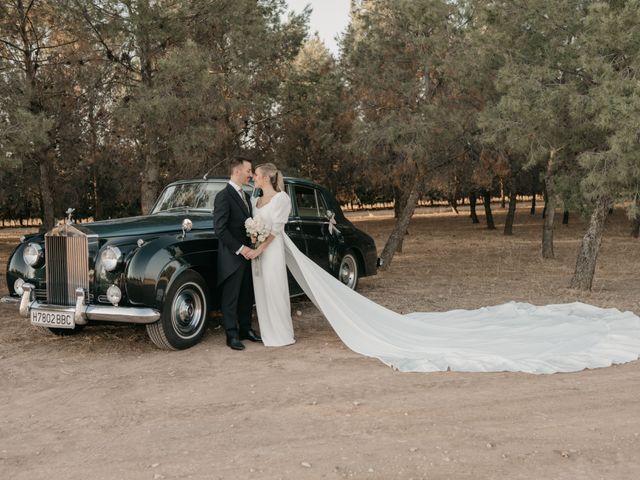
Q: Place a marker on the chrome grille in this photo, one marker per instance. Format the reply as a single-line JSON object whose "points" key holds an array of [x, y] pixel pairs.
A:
{"points": [[67, 260]]}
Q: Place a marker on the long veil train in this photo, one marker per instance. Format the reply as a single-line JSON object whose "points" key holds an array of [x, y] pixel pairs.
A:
{"points": [[515, 337]]}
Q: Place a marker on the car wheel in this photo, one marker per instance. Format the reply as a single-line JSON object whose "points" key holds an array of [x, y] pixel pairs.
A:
{"points": [[184, 313], [348, 272]]}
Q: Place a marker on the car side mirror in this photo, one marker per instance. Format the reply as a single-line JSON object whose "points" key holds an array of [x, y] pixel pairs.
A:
{"points": [[187, 225]]}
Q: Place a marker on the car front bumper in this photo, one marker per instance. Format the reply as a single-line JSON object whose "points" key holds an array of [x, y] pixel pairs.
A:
{"points": [[83, 312]]}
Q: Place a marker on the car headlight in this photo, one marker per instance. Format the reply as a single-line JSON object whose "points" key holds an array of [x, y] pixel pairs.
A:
{"points": [[17, 286], [110, 257], [114, 295], [32, 254]]}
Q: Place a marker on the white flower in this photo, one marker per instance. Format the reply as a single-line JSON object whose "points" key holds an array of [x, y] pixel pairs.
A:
{"points": [[257, 230]]}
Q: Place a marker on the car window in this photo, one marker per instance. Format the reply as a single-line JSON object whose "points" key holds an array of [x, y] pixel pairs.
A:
{"points": [[197, 195], [322, 206], [307, 202]]}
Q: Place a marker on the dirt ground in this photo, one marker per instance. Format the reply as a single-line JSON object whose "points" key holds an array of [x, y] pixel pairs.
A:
{"points": [[106, 404]]}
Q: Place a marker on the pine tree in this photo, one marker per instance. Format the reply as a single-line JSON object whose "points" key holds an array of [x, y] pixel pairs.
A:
{"points": [[533, 118], [394, 57], [610, 50], [31, 49], [316, 121]]}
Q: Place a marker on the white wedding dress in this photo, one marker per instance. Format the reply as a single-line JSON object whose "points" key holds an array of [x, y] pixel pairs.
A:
{"points": [[269, 272], [515, 337]]}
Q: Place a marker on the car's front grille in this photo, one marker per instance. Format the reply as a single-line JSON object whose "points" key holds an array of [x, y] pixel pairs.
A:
{"points": [[67, 259]]}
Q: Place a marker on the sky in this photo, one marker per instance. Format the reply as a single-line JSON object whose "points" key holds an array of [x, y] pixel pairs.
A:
{"points": [[328, 18]]}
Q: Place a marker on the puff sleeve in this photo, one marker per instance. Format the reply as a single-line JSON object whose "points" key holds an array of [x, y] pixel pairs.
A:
{"points": [[280, 212]]}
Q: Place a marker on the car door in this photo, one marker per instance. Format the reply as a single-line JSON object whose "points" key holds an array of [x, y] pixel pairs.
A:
{"points": [[293, 229], [313, 223]]}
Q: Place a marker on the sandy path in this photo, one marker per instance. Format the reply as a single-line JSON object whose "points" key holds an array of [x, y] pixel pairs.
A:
{"points": [[107, 405]]}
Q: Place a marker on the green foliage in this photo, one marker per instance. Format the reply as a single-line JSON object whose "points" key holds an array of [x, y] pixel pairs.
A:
{"points": [[314, 121], [395, 62], [611, 55], [568, 85], [467, 92]]}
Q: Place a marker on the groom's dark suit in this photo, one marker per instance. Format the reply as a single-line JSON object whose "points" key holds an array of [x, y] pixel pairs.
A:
{"points": [[234, 271]]}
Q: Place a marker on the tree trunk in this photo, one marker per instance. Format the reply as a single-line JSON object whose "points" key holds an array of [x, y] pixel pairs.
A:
{"points": [[454, 205], [502, 198], [48, 214], [472, 207], [150, 184], [97, 205], [400, 202], [452, 195], [534, 191], [511, 213], [547, 229], [549, 209], [486, 195], [150, 181], [30, 66], [533, 204], [399, 199], [588, 254], [400, 228], [635, 222], [635, 227], [565, 217]]}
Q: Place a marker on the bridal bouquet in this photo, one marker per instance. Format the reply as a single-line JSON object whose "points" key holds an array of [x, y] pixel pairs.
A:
{"points": [[257, 231]]}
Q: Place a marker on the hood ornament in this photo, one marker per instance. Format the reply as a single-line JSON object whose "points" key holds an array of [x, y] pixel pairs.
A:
{"points": [[69, 213], [67, 227]]}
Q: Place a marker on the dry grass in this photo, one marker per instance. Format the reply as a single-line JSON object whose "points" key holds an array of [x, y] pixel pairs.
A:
{"points": [[106, 404], [450, 263]]}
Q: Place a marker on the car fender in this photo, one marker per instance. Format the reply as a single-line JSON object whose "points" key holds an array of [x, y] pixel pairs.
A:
{"points": [[154, 267], [17, 268]]}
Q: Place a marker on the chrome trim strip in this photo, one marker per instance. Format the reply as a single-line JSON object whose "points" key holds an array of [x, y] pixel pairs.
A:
{"points": [[122, 314], [99, 313], [322, 221], [89, 312]]}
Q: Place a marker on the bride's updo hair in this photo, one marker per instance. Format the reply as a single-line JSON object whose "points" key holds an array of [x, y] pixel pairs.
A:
{"points": [[275, 175]]}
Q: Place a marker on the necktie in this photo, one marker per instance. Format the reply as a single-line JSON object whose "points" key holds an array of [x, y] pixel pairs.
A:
{"points": [[244, 200]]}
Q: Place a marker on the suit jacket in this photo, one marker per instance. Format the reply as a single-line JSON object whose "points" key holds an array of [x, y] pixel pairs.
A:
{"points": [[229, 215]]}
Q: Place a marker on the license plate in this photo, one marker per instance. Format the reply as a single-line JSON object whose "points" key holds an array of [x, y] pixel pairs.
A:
{"points": [[51, 318]]}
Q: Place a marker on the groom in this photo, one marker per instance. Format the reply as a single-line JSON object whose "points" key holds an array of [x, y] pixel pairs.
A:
{"points": [[231, 209]]}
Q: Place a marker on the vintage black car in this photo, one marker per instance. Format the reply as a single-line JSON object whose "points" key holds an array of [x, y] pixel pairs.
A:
{"points": [[160, 269]]}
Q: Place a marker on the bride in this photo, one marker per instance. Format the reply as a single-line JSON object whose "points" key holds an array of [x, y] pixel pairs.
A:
{"points": [[268, 266], [510, 337]]}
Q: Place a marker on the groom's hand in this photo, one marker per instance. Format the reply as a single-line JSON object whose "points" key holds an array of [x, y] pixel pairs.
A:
{"points": [[246, 253], [252, 254]]}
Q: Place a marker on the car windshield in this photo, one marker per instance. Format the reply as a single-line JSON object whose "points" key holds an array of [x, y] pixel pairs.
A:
{"points": [[196, 196]]}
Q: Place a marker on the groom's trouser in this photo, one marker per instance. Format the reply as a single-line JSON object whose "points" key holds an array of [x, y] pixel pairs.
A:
{"points": [[237, 301]]}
